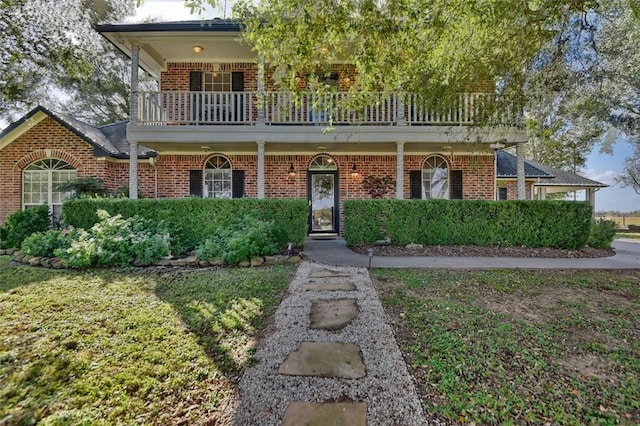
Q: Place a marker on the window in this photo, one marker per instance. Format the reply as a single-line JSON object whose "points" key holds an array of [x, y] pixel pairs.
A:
{"points": [[40, 184], [502, 193], [217, 178], [323, 162], [435, 178], [217, 82]]}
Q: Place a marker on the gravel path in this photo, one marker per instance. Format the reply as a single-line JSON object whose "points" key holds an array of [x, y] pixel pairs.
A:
{"points": [[387, 389]]}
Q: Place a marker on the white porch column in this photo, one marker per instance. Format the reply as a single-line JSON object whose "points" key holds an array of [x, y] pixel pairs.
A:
{"points": [[261, 93], [591, 198], [400, 170], [543, 193], [522, 195], [133, 119], [260, 169], [401, 119]]}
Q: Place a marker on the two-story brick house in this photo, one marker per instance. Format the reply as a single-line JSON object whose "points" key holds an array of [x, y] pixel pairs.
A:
{"points": [[219, 127]]}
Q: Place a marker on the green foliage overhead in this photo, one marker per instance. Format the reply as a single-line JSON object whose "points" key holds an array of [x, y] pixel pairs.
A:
{"points": [[559, 224], [192, 220], [433, 47]]}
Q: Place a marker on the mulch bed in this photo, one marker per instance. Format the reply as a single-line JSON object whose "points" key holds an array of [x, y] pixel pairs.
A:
{"points": [[491, 251]]}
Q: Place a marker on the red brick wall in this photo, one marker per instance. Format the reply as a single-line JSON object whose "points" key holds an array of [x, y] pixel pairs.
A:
{"points": [[478, 173], [512, 188], [48, 139]]}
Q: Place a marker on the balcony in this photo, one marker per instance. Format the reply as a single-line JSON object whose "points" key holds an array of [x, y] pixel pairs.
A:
{"points": [[285, 108]]}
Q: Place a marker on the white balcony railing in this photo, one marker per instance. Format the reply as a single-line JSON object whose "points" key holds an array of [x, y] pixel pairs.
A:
{"points": [[285, 108]]}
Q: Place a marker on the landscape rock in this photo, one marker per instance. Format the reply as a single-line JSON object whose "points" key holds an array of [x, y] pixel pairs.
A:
{"points": [[57, 263], [385, 242], [163, 262], [257, 261], [294, 259], [272, 260], [46, 262], [192, 259], [10, 251], [26, 259], [244, 264], [3, 252], [216, 262], [178, 262], [412, 246], [203, 263], [34, 261], [18, 256]]}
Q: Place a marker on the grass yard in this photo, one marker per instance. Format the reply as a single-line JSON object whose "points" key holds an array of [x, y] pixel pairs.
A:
{"points": [[128, 347], [520, 347], [633, 235]]}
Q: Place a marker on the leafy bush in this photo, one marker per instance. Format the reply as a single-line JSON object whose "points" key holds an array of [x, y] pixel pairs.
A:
{"points": [[246, 238], [91, 186], [116, 241], [560, 224], [192, 220], [21, 224], [44, 244], [602, 233]]}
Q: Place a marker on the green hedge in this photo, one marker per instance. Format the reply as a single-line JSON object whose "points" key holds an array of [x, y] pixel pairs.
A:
{"points": [[560, 224], [192, 220]]}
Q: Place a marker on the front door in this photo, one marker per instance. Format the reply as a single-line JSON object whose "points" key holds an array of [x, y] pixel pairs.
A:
{"points": [[323, 200]]}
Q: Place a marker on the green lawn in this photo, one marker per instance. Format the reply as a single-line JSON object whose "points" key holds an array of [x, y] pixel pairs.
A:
{"points": [[128, 347], [634, 235], [520, 347]]}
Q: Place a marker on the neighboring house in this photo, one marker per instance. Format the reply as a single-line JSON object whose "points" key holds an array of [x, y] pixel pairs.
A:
{"points": [[540, 180], [218, 127]]}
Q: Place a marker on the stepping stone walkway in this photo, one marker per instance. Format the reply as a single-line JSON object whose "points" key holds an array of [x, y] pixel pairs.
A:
{"points": [[332, 359]]}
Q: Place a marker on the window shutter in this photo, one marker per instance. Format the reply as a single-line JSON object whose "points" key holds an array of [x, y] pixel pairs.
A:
{"points": [[455, 179], [415, 184], [237, 81], [237, 183], [195, 183], [195, 81]]}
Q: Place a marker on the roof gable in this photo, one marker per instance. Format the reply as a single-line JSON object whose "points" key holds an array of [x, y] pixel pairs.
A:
{"points": [[109, 140]]}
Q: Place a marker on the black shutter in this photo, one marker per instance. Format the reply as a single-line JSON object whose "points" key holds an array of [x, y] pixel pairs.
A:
{"points": [[237, 81], [195, 81], [455, 179], [415, 184], [237, 107], [237, 183], [195, 183]]}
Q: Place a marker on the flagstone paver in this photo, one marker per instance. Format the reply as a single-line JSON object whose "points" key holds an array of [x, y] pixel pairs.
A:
{"points": [[325, 286], [330, 414], [325, 359], [332, 314], [326, 273]]}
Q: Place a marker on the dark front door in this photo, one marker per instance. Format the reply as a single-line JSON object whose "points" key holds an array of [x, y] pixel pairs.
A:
{"points": [[323, 202]]}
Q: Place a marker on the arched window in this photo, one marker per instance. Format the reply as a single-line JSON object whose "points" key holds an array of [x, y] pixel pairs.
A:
{"points": [[41, 181], [435, 178], [217, 178], [323, 162]]}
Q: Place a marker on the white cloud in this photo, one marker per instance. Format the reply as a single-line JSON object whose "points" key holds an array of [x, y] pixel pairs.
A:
{"points": [[607, 176]]}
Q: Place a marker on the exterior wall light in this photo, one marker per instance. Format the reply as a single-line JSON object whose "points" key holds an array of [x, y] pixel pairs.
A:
{"points": [[354, 171], [197, 48], [292, 170]]}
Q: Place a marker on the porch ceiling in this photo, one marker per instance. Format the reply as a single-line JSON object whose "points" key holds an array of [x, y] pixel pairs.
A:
{"points": [[159, 48]]}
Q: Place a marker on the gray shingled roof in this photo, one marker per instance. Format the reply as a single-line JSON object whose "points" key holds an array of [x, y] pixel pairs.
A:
{"points": [[562, 178], [548, 176], [109, 140], [506, 167]]}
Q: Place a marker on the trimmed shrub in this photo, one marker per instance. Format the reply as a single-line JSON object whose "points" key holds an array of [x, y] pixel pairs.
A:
{"points": [[44, 244], [116, 241], [559, 224], [246, 238], [192, 220], [602, 233], [21, 224]]}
